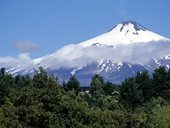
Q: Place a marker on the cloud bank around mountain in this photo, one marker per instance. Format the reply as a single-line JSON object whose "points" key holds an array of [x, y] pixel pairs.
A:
{"points": [[75, 56], [22, 62]]}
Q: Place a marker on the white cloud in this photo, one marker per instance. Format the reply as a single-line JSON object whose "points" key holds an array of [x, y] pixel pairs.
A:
{"points": [[77, 56], [6, 61], [22, 62], [26, 46]]}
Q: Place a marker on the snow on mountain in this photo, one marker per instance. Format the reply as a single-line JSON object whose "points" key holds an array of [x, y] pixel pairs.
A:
{"points": [[108, 66], [125, 33], [120, 53], [110, 70]]}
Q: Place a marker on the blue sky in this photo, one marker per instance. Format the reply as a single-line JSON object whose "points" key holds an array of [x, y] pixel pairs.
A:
{"points": [[40, 27]]}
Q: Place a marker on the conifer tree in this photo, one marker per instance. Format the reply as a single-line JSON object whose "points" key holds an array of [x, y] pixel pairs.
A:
{"points": [[97, 84], [73, 83], [131, 95]]}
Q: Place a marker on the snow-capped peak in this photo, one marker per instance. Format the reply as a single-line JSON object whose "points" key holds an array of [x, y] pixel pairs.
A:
{"points": [[128, 25], [125, 33]]}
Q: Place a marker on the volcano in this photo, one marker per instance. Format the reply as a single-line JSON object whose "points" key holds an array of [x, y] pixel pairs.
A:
{"points": [[117, 54]]}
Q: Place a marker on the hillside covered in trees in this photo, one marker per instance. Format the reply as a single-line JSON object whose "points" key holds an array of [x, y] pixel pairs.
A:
{"points": [[41, 102]]}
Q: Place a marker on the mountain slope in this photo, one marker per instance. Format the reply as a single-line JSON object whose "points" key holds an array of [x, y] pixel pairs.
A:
{"points": [[120, 53]]}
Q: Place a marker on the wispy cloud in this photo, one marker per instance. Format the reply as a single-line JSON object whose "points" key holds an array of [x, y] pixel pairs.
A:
{"points": [[26, 46]]}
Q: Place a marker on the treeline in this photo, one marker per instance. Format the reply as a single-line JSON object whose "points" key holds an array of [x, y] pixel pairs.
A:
{"points": [[41, 102]]}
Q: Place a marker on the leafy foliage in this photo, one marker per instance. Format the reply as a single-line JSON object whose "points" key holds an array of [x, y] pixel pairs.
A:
{"points": [[41, 102]]}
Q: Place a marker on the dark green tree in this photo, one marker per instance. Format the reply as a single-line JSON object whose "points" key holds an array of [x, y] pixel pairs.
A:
{"points": [[73, 84], [143, 81], [165, 93], [97, 84], [21, 81], [109, 88], [130, 94], [161, 80], [2, 72], [158, 81], [6, 82], [42, 79]]}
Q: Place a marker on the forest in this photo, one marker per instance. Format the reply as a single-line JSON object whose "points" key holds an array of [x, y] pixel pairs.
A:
{"points": [[42, 102]]}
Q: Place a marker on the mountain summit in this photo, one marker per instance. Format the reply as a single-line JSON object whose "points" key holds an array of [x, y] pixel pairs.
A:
{"points": [[125, 33]]}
